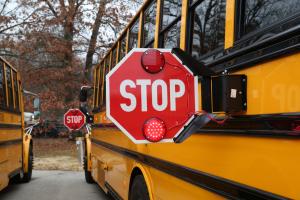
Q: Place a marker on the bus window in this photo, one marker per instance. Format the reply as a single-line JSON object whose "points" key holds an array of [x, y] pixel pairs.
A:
{"points": [[259, 14], [208, 26], [96, 86], [106, 70], [16, 91], [149, 25], [9, 87], [133, 35], [170, 34], [100, 85], [122, 49], [114, 57], [2, 86]]}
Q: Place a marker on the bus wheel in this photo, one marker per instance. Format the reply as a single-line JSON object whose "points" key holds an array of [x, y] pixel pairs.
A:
{"points": [[138, 190], [27, 176], [87, 173]]}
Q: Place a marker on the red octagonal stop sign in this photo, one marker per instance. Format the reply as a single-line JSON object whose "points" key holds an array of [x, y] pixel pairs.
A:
{"points": [[151, 95], [74, 119]]}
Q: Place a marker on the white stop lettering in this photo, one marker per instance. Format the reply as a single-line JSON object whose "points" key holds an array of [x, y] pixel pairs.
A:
{"points": [[156, 86]]}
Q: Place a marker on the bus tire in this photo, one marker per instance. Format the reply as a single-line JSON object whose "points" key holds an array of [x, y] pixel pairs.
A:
{"points": [[138, 189], [27, 176], [87, 174]]}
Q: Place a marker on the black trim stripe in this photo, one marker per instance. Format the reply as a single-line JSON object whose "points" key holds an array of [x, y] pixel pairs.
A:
{"points": [[218, 185], [10, 142], [112, 192], [10, 126], [237, 132], [272, 125], [252, 133], [104, 126]]}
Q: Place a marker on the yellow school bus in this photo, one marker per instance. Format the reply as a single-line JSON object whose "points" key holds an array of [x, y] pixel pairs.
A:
{"points": [[255, 153], [16, 154]]}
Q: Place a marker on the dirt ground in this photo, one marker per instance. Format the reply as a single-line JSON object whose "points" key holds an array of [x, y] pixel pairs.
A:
{"points": [[55, 154]]}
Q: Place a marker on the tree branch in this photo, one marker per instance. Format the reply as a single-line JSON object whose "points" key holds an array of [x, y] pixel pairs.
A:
{"points": [[50, 6]]}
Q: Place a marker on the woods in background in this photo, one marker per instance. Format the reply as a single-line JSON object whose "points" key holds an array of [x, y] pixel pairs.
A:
{"points": [[55, 44]]}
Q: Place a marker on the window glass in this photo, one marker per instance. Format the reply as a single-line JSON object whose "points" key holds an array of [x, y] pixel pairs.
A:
{"points": [[100, 85], [262, 13], [171, 10], [122, 47], [172, 37], [2, 86], [133, 35], [208, 27], [9, 87], [193, 1], [96, 87], [113, 58], [149, 23], [106, 72], [16, 90]]}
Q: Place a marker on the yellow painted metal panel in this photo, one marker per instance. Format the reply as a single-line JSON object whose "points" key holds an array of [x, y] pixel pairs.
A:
{"points": [[9, 134], [269, 164], [274, 87]]}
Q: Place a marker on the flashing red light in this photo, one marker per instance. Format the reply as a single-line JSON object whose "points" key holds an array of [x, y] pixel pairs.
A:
{"points": [[153, 61], [297, 128], [154, 130], [296, 125]]}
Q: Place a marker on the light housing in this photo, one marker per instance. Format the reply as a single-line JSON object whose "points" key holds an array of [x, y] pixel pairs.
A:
{"points": [[153, 61]]}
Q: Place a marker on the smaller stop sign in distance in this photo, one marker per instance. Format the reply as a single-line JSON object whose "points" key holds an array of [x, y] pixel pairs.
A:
{"points": [[151, 95], [74, 119]]}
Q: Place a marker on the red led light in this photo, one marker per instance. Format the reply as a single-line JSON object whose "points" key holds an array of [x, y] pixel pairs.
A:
{"points": [[154, 130], [296, 126], [153, 61]]}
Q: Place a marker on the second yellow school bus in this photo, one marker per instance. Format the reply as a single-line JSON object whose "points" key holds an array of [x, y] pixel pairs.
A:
{"points": [[255, 154], [16, 146]]}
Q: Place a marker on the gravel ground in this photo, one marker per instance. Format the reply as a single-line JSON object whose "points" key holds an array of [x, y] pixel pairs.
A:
{"points": [[55, 154]]}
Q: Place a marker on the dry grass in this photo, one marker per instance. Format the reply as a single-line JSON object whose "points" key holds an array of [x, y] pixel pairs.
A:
{"points": [[55, 154]]}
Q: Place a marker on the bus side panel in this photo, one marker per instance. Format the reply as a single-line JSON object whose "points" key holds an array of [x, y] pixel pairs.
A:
{"points": [[274, 86], [119, 169], [168, 187], [98, 172], [114, 168], [269, 164], [10, 154], [3, 163]]}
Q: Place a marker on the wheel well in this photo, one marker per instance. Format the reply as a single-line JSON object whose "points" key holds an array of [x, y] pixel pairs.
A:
{"points": [[136, 171]]}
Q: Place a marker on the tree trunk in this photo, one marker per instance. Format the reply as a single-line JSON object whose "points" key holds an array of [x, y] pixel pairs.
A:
{"points": [[68, 37], [93, 40]]}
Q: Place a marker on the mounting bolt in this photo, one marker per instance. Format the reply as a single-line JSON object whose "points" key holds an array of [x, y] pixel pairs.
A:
{"points": [[225, 71]]}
